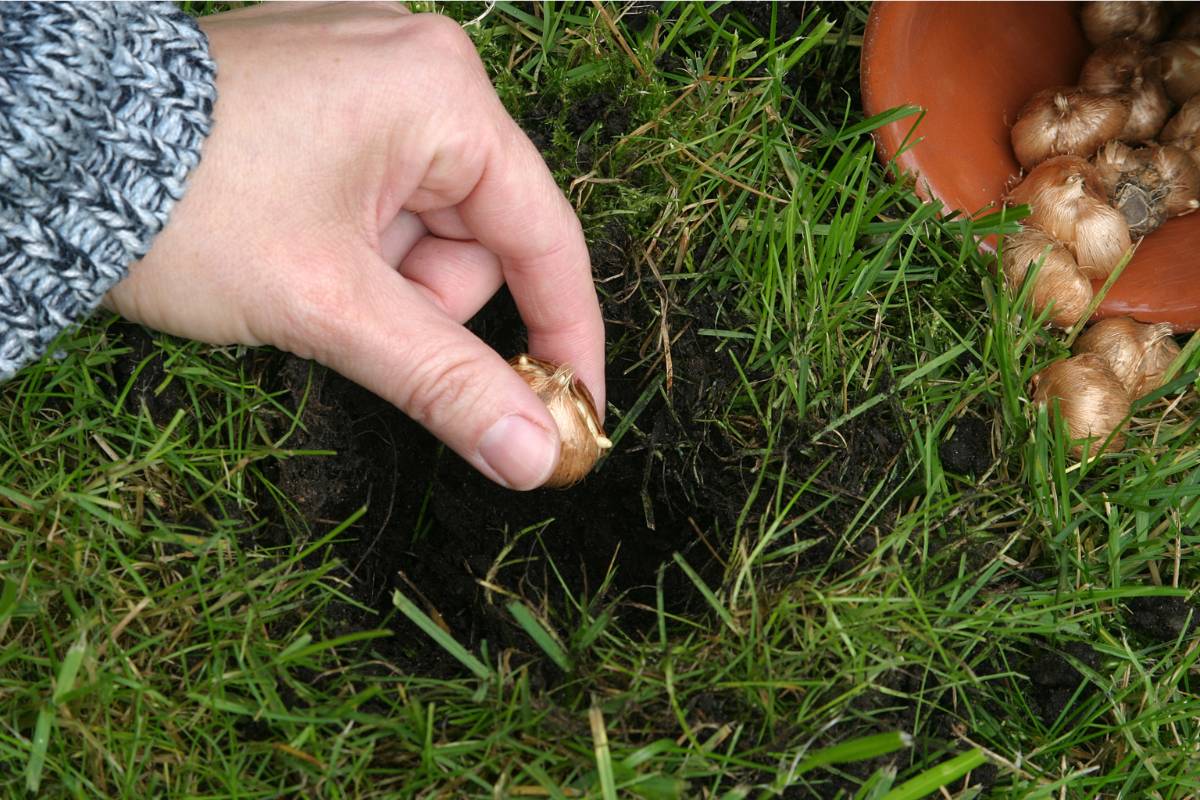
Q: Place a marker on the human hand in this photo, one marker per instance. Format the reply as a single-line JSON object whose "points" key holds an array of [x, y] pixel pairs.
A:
{"points": [[364, 193]]}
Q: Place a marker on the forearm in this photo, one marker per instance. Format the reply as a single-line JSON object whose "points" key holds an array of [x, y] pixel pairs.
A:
{"points": [[103, 110]]}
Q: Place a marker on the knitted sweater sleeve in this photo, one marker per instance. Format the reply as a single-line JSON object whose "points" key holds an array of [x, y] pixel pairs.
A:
{"points": [[103, 109]]}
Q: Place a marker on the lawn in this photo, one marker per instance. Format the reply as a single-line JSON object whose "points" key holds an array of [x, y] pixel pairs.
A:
{"points": [[835, 552]]}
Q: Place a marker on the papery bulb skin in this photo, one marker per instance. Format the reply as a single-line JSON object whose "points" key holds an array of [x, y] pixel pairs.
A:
{"points": [[1111, 19], [1148, 111], [1180, 68], [1067, 121], [1183, 129], [574, 412], [1068, 201], [1127, 66], [1179, 177], [1112, 161], [1138, 353], [1119, 167], [1184, 123], [1189, 144], [1113, 66], [1148, 184], [1059, 282], [1089, 397]]}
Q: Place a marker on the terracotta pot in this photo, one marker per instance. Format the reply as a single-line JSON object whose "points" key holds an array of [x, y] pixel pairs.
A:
{"points": [[971, 66]]}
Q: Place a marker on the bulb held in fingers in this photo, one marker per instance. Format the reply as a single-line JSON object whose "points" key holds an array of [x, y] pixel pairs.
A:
{"points": [[1138, 354], [1059, 283], [1090, 398], [574, 412]]}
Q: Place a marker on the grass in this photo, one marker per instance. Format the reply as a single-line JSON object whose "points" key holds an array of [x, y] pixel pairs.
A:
{"points": [[154, 642]]}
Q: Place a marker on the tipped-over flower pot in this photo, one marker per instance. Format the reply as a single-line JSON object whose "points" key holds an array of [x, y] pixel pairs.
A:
{"points": [[972, 67]]}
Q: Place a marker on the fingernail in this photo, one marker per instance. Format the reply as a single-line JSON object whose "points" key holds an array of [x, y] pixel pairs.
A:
{"points": [[521, 453]]}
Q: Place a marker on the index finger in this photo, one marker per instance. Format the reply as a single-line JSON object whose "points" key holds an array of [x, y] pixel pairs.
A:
{"points": [[518, 212]]}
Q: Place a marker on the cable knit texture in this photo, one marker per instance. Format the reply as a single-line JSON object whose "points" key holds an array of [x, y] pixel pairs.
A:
{"points": [[103, 109]]}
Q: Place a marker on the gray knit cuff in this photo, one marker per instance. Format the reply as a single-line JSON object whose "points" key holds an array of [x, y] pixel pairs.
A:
{"points": [[103, 108]]}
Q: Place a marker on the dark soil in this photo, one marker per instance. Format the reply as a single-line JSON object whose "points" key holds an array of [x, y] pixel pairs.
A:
{"points": [[870, 446], [143, 365], [813, 83], [1163, 619], [593, 119], [638, 14], [604, 108], [438, 531], [968, 450], [1058, 690], [788, 16]]}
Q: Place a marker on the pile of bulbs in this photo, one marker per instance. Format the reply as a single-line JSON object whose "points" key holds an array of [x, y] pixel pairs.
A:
{"points": [[1106, 162]]}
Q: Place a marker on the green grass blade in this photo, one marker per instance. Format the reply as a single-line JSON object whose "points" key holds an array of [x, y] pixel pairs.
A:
{"points": [[933, 779], [860, 749], [876, 786], [920, 372], [658, 787], [543, 638], [69, 668], [604, 766], [702, 587], [445, 640], [37, 752], [8, 597], [811, 39]]}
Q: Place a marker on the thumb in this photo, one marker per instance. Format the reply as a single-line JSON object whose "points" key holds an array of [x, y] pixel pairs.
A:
{"points": [[388, 337]]}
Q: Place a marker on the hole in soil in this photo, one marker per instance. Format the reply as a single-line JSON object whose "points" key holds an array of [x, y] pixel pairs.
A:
{"points": [[446, 536]]}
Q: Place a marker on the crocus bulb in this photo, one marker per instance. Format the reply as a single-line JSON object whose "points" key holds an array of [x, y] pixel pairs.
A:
{"points": [[1067, 121], [1179, 175], [1127, 66], [574, 412], [1068, 201], [1138, 354], [1113, 65], [1180, 68], [1185, 122], [1110, 19], [1111, 162], [1190, 144], [1059, 282], [1090, 398], [1120, 168], [1148, 184]]}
